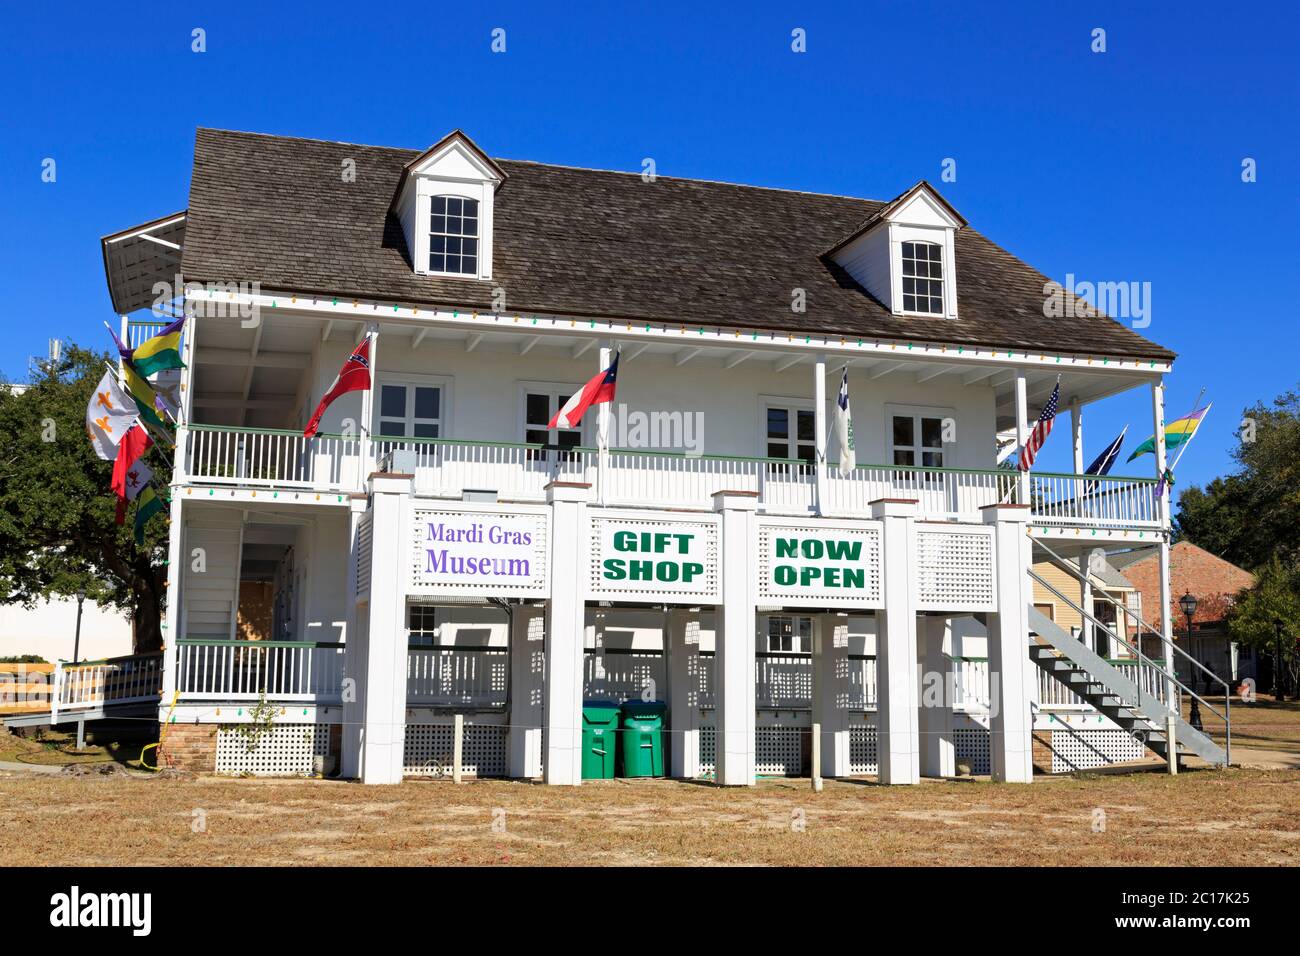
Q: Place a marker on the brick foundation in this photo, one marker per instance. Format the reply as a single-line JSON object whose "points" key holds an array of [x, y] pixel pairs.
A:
{"points": [[1042, 751], [190, 747]]}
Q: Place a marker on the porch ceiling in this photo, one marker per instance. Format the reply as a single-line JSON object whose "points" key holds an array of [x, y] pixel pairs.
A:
{"points": [[255, 376]]}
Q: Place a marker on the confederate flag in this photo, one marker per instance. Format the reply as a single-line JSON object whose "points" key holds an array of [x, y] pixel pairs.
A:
{"points": [[599, 389], [353, 377]]}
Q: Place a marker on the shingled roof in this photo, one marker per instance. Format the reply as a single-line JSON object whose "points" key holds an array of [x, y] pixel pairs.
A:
{"points": [[581, 242]]}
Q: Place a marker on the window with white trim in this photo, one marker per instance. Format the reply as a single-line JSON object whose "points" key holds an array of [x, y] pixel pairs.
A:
{"points": [[792, 635], [409, 410], [917, 439], [540, 405], [923, 278], [453, 235], [422, 625], [791, 433]]}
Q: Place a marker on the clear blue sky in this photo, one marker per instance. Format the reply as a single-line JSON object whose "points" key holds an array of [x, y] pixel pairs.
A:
{"points": [[1118, 166]]}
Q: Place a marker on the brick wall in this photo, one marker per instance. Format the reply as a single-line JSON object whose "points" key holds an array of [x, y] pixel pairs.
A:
{"points": [[190, 747], [1214, 582]]}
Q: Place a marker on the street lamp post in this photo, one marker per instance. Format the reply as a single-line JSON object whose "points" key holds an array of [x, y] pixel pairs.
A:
{"points": [[76, 644], [1188, 603]]}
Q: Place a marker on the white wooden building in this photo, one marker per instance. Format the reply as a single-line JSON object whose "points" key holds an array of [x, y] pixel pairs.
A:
{"points": [[448, 556]]}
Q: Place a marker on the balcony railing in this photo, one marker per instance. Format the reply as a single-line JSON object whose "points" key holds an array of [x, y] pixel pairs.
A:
{"points": [[1053, 695], [461, 677], [91, 685], [245, 670], [267, 458]]}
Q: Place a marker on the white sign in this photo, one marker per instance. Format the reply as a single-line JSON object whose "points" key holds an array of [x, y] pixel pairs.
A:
{"points": [[479, 552], [654, 559], [821, 565]]}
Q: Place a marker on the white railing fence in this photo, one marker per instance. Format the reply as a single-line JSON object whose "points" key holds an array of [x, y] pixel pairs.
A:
{"points": [[940, 492], [471, 676], [266, 457], [1104, 502], [245, 670], [447, 467], [1053, 695], [117, 680]]}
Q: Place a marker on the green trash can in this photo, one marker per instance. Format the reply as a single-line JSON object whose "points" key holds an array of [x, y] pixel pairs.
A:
{"points": [[599, 731], [641, 738]]}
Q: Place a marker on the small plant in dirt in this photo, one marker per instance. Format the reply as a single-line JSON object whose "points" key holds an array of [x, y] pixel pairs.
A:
{"points": [[260, 723]]}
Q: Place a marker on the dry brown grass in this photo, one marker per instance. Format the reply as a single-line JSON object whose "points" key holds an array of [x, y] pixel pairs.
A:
{"points": [[1198, 818]]}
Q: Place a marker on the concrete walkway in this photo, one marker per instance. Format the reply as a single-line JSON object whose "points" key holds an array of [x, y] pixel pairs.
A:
{"points": [[30, 767]]}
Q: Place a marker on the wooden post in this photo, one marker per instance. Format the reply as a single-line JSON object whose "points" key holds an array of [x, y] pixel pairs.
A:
{"points": [[457, 748], [816, 757]]}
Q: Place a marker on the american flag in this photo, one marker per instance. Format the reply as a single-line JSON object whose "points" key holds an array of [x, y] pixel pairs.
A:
{"points": [[1042, 428]]}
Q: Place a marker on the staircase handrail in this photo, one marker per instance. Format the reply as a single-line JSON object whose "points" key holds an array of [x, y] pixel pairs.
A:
{"points": [[1067, 566], [1169, 675]]}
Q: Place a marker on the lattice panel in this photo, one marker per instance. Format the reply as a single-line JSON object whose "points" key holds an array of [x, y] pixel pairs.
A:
{"points": [[704, 587], [954, 571], [1085, 749], [862, 749], [831, 546], [429, 750], [778, 751], [286, 750], [708, 751], [973, 744], [479, 552]]}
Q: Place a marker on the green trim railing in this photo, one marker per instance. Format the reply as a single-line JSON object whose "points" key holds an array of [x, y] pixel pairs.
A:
{"points": [[216, 669], [444, 467]]}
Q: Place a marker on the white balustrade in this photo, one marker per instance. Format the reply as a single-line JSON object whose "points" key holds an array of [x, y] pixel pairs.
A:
{"points": [[245, 670], [457, 676], [118, 680], [1092, 501], [646, 479], [624, 675], [272, 458]]}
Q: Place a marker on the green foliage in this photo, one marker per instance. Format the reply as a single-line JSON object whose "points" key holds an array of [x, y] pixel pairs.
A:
{"points": [[1252, 516], [24, 659], [261, 721], [57, 528], [1274, 600]]}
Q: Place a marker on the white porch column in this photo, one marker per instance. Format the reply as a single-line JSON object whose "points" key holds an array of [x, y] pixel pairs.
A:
{"points": [[527, 664], [1162, 513], [683, 693], [565, 627], [898, 724], [830, 640], [938, 747], [1085, 584], [733, 660], [1010, 723], [384, 709], [606, 355], [1022, 434], [355, 652], [819, 423], [172, 626]]}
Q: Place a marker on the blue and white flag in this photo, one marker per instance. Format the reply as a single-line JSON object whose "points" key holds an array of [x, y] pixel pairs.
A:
{"points": [[1104, 461], [844, 426]]}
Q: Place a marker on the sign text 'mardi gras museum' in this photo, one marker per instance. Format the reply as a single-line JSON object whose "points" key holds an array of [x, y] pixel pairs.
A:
{"points": [[479, 552]]}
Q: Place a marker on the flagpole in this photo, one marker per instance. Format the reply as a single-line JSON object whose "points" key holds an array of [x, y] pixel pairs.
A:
{"points": [[368, 403], [1169, 469], [151, 429]]}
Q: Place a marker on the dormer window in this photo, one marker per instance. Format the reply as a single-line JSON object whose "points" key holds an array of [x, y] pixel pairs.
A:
{"points": [[905, 254], [923, 278], [453, 235], [445, 207]]}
